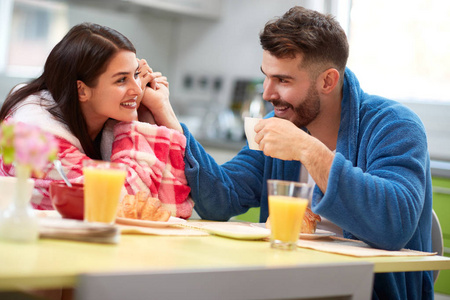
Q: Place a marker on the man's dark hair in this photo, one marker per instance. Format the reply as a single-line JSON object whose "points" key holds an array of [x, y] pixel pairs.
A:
{"points": [[318, 37]]}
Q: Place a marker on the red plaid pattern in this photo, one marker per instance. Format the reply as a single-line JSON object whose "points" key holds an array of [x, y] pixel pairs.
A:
{"points": [[154, 156]]}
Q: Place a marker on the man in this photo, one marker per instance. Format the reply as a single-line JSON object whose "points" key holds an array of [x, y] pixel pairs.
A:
{"points": [[367, 155]]}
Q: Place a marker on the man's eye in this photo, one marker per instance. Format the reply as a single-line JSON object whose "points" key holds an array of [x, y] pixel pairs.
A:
{"points": [[137, 74], [121, 80]]}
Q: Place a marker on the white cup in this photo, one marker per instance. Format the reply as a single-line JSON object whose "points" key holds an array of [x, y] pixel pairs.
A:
{"points": [[249, 126], [8, 189]]}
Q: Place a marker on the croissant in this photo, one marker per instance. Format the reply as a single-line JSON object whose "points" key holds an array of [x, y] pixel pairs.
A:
{"points": [[310, 220], [143, 207]]}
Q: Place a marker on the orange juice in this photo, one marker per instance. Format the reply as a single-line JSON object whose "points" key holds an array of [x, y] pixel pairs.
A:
{"points": [[102, 188], [286, 216]]}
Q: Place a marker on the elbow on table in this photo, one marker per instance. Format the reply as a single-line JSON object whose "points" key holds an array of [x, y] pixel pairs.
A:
{"points": [[393, 241]]}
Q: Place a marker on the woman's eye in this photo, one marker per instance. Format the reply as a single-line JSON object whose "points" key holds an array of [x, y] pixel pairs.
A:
{"points": [[136, 75], [121, 80]]}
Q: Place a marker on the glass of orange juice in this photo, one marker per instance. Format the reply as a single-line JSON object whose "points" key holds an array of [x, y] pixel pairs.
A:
{"points": [[103, 182], [287, 204]]}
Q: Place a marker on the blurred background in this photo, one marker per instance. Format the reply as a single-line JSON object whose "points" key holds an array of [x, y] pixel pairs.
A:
{"points": [[209, 50]]}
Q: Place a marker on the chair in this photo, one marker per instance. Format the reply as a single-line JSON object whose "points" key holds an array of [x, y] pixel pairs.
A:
{"points": [[437, 240], [330, 281]]}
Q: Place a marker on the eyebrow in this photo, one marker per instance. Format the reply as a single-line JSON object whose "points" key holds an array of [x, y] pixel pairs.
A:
{"points": [[279, 76], [124, 73], [121, 74]]}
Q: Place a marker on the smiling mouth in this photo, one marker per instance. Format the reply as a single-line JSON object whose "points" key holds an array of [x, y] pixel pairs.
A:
{"points": [[129, 104], [280, 107]]}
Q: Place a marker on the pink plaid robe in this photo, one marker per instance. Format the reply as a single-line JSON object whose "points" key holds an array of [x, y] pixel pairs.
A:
{"points": [[154, 156]]}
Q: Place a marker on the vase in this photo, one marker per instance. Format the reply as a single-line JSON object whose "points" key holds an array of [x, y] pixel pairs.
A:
{"points": [[19, 222]]}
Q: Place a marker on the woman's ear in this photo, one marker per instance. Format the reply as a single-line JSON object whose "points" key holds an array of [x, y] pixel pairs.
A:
{"points": [[84, 92], [329, 80]]}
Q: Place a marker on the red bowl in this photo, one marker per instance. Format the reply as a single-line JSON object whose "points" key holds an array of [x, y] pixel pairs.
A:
{"points": [[68, 201]]}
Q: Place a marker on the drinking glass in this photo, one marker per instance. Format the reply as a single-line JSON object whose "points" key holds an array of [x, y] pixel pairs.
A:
{"points": [[103, 182], [287, 204]]}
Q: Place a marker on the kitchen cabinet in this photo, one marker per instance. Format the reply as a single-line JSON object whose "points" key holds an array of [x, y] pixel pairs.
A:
{"points": [[441, 205], [209, 9]]}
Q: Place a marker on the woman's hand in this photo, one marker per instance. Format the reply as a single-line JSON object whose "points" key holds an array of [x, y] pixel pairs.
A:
{"points": [[144, 70], [155, 98], [155, 87], [156, 92]]}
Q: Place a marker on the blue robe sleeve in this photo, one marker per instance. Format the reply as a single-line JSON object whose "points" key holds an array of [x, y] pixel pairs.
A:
{"points": [[222, 191], [383, 197]]}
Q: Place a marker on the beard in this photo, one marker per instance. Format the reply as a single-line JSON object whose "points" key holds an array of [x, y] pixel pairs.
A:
{"points": [[306, 111]]}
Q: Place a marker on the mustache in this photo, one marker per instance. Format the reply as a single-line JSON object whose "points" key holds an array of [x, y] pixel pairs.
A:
{"points": [[280, 103]]}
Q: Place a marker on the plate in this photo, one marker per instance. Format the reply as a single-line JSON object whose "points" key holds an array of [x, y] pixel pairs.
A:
{"points": [[237, 231], [145, 223], [320, 233]]}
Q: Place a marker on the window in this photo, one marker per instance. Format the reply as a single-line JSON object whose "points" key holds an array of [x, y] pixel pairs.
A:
{"points": [[400, 49], [34, 29], [5, 17]]}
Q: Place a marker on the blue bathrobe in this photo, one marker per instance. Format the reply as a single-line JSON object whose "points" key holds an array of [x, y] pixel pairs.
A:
{"points": [[379, 188]]}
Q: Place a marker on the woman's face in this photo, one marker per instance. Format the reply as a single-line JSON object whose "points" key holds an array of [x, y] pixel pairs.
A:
{"points": [[115, 96]]}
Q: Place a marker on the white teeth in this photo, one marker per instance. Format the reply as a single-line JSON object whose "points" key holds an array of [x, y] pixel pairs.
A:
{"points": [[128, 104]]}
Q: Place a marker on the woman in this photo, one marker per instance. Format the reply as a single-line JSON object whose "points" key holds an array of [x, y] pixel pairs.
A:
{"points": [[88, 97]]}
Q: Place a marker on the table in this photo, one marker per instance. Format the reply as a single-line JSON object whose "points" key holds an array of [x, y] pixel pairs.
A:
{"points": [[57, 263]]}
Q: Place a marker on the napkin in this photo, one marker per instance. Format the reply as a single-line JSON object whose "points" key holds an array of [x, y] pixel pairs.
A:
{"points": [[355, 248], [76, 230]]}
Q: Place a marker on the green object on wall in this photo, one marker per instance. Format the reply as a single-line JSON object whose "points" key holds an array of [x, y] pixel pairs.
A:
{"points": [[441, 205], [442, 284], [252, 215]]}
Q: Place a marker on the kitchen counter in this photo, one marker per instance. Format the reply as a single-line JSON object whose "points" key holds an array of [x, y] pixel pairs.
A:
{"points": [[234, 146], [222, 150], [230, 148]]}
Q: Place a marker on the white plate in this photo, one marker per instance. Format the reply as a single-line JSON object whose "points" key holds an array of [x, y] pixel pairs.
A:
{"points": [[237, 231], [320, 233], [145, 223]]}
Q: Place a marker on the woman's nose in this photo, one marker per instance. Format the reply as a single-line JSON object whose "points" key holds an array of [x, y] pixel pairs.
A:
{"points": [[135, 88]]}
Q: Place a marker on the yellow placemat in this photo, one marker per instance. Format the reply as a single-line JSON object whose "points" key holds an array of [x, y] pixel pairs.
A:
{"points": [[355, 248]]}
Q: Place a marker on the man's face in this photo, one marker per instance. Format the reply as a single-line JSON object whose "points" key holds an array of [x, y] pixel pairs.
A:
{"points": [[290, 90]]}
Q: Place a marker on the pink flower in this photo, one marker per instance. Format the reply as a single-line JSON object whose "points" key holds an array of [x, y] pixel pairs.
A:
{"points": [[26, 145]]}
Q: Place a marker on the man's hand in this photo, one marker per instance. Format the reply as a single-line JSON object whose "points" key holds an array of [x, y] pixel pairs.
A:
{"points": [[280, 138]]}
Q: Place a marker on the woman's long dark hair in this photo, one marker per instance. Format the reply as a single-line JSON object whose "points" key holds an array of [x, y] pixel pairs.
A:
{"points": [[83, 54]]}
